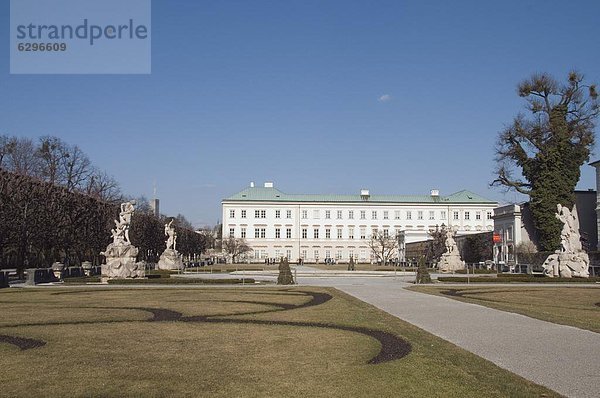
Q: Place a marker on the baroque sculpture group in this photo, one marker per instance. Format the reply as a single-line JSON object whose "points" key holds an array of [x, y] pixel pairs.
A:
{"points": [[121, 254]]}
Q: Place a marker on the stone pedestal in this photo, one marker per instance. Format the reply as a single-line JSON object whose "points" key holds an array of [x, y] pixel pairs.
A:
{"points": [[450, 262], [58, 268], [170, 260], [120, 262], [567, 265]]}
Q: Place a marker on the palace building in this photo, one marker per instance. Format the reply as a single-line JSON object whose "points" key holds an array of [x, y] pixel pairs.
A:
{"points": [[318, 227]]}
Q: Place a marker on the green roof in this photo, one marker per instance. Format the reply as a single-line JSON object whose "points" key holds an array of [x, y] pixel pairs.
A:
{"points": [[260, 194]]}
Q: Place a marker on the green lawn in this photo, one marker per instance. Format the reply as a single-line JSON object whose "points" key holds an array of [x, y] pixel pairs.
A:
{"points": [[283, 342], [569, 305]]}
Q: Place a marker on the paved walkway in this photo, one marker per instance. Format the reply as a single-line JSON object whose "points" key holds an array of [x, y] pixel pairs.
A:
{"points": [[562, 358]]}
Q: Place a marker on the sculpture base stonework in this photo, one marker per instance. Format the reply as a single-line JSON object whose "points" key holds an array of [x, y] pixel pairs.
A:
{"points": [[567, 265], [120, 262], [450, 262], [170, 260]]}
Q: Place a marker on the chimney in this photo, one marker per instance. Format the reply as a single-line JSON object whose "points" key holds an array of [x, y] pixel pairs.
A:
{"points": [[364, 194], [251, 184], [268, 185], [435, 193]]}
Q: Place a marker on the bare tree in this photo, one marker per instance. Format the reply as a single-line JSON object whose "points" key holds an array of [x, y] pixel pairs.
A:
{"points": [[77, 169], [19, 156], [235, 247], [383, 246], [526, 252], [103, 186], [52, 152]]}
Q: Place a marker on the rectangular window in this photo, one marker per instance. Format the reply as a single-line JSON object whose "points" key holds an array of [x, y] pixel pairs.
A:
{"points": [[316, 233], [263, 214], [288, 214], [351, 233], [456, 215], [316, 254], [374, 215], [374, 232], [339, 233], [277, 233], [386, 233], [363, 233], [351, 214], [277, 213], [303, 254], [397, 214], [420, 215], [363, 215], [351, 254], [327, 214], [409, 215], [489, 215], [256, 233], [304, 214], [327, 253], [231, 213], [467, 215], [385, 214], [339, 214], [316, 214], [256, 213], [443, 214], [432, 215], [478, 215], [509, 233], [304, 233], [277, 253], [338, 255], [263, 233], [288, 254], [288, 233], [231, 232], [243, 233], [243, 213], [327, 233]]}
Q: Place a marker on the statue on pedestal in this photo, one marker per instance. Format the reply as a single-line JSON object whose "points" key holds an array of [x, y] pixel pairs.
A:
{"points": [[170, 259], [121, 254], [450, 260], [570, 260]]}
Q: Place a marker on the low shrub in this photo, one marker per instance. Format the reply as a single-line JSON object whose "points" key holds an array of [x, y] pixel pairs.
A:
{"points": [[477, 271]]}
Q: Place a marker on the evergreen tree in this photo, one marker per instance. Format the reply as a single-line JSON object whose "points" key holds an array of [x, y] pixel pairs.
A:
{"points": [[549, 148]]}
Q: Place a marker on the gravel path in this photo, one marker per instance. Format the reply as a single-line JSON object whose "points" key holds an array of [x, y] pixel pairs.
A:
{"points": [[563, 358]]}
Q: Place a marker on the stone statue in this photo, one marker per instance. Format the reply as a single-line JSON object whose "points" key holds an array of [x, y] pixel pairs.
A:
{"points": [[170, 259], [570, 260], [450, 242], [450, 260], [121, 254], [171, 235]]}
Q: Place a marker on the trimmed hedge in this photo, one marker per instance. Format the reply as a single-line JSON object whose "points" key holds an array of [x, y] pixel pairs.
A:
{"points": [[517, 279], [180, 281], [477, 271]]}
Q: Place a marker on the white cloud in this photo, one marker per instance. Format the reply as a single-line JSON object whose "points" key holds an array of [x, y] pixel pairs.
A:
{"points": [[385, 98]]}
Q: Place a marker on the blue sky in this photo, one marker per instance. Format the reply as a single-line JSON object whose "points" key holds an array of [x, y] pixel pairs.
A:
{"points": [[289, 91]]}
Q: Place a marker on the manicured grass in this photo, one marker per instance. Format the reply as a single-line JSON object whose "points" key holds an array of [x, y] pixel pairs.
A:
{"points": [[515, 278], [574, 306], [98, 344]]}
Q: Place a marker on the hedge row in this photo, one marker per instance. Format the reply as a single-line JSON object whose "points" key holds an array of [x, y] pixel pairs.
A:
{"points": [[180, 281]]}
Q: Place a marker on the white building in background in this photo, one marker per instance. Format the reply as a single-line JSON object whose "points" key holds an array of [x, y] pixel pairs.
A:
{"points": [[317, 227]]}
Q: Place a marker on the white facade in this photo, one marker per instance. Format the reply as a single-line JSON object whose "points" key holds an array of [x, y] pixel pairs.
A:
{"points": [[316, 227], [508, 226]]}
